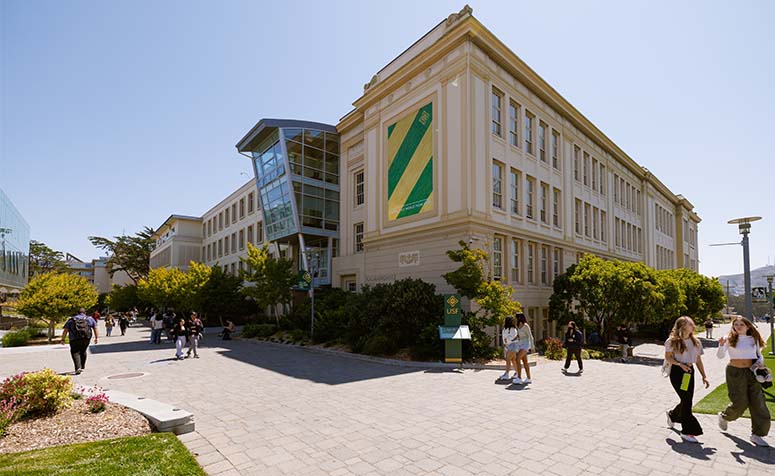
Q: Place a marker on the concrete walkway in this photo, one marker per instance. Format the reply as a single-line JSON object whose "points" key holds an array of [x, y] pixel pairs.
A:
{"points": [[264, 409]]}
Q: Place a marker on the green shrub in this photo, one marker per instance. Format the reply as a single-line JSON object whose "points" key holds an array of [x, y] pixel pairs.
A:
{"points": [[553, 349], [258, 330], [428, 346], [298, 335], [37, 393], [379, 345], [16, 338]]}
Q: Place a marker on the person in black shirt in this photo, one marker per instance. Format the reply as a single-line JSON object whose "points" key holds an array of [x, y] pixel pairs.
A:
{"points": [[195, 329], [573, 342]]}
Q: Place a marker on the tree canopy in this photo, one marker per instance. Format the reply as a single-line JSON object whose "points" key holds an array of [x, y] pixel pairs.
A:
{"points": [[45, 260], [52, 297], [131, 254], [270, 279]]}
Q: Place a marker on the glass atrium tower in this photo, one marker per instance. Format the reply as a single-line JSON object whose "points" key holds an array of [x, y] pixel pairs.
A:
{"points": [[296, 164], [14, 248]]}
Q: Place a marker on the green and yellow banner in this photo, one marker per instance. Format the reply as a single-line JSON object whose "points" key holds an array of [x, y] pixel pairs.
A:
{"points": [[410, 164]]}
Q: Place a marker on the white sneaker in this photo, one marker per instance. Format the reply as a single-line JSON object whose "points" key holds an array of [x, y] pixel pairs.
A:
{"points": [[689, 438], [759, 441], [722, 423], [527, 380], [517, 380], [504, 376], [670, 422]]}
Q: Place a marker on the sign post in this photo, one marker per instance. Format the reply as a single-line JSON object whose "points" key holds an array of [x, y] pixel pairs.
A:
{"points": [[452, 332]]}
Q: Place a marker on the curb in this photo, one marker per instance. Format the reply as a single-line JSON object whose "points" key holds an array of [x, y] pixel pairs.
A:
{"points": [[532, 358]]}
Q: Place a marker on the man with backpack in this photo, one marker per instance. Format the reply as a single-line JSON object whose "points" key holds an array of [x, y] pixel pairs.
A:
{"points": [[80, 328]]}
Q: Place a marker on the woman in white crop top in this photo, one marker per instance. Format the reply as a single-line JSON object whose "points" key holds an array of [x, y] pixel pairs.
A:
{"points": [[525, 342], [510, 344], [743, 344]]}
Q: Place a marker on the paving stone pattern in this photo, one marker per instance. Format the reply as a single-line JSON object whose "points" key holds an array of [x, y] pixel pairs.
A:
{"points": [[264, 410]]}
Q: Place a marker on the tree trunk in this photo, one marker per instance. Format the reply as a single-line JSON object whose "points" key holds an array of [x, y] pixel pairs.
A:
{"points": [[51, 328]]}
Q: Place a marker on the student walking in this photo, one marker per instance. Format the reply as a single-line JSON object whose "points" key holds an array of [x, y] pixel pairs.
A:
{"points": [[743, 344], [709, 328], [80, 327], [574, 339], [179, 333], [157, 325], [683, 351], [525, 343], [195, 329], [109, 323], [123, 323], [510, 345]]}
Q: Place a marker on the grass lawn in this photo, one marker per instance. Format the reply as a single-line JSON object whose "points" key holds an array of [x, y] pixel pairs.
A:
{"points": [[717, 400], [156, 454]]}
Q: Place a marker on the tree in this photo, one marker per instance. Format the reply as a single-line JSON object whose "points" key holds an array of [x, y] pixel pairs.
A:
{"points": [[52, 297], [221, 295], [271, 279], [123, 298], [163, 287], [45, 260], [131, 254]]}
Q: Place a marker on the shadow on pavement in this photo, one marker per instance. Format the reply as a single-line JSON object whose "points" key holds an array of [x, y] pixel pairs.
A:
{"points": [[764, 455], [319, 368], [694, 450]]}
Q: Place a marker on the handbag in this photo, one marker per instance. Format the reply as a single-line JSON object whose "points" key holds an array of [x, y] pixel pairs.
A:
{"points": [[763, 375]]}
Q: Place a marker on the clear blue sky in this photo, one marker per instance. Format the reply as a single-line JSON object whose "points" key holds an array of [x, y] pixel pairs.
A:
{"points": [[116, 114]]}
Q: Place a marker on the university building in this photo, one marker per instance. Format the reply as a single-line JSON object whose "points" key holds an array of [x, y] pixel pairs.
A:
{"points": [[14, 249], [456, 139]]}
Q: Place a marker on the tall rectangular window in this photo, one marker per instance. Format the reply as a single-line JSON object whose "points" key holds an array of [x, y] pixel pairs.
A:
{"points": [[359, 188], [234, 213], [594, 174], [220, 248], [622, 193], [577, 216], [516, 271], [544, 265], [514, 178], [557, 262], [204, 230], [576, 163], [226, 216], [242, 240], [555, 149], [594, 222], [556, 200], [529, 118], [544, 198], [617, 235], [226, 245], [637, 202], [259, 233], [251, 202], [531, 251], [586, 219], [629, 197], [250, 235], [358, 237], [234, 242], [514, 123], [208, 252], [495, 113], [603, 225], [209, 228], [497, 258], [602, 179], [242, 208], [616, 188], [497, 185], [529, 197], [585, 169], [220, 221], [542, 141]]}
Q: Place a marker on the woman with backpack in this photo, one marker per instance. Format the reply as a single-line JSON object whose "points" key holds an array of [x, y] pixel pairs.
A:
{"points": [[743, 344], [573, 342], [510, 344], [683, 351]]}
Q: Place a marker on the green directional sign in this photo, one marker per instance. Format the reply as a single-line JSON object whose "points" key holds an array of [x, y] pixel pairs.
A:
{"points": [[452, 332], [305, 280]]}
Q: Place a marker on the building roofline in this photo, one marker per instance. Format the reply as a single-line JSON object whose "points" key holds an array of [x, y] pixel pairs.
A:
{"points": [[266, 125], [175, 217]]}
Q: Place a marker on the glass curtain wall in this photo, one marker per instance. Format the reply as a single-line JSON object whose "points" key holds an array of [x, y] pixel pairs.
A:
{"points": [[14, 246]]}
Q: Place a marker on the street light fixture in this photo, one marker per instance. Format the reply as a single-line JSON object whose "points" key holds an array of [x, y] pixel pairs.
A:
{"points": [[744, 225], [312, 256]]}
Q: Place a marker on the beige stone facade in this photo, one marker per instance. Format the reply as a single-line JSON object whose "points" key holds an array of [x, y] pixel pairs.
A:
{"points": [[178, 242], [517, 170]]}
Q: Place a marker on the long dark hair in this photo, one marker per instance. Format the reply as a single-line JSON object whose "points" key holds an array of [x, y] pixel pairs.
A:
{"points": [[751, 331], [508, 323], [521, 319]]}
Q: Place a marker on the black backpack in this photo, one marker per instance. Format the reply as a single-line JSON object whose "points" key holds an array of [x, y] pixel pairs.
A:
{"points": [[80, 329]]}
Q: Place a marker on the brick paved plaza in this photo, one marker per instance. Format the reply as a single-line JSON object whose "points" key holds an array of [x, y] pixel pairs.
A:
{"points": [[264, 409]]}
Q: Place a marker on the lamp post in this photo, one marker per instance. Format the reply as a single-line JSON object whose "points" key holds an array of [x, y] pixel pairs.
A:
{"points": [[744, 225], [771, 319], [313, 260]]}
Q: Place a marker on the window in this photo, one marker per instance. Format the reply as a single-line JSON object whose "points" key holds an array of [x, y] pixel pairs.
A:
{"points": [[543, 212], [602, 226], [259, 233], [497, 258], [594, 174], [621, 192], [555, 149], [241, 267], [242, 240], [515, 177], [556, 207], [529, 118], [585, 169], [602, 179], [516, 247], [542, 141], [359, 188], [207, 252], [531, 183], [594, 222], [233, 269], [234, 242], [617, 239], [497, 99], [359, 237], [226, 216], [586, 219], [576, 163], [577, 216], [629, 197], [220, 247], [497, 187], [544, 265], [204, 230], [242, 208], [226, 245], [251, 202], [616, 188], [234, 213], [250, 235], [209, 228], [557, 263], [531, 247], [514, 123], [220, 221], [637, 202]]}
